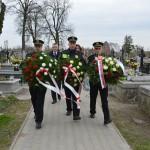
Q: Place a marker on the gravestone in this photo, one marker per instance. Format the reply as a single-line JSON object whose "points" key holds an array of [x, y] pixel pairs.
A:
{"points": [[144, 99], [127, 91], [10, 86]]}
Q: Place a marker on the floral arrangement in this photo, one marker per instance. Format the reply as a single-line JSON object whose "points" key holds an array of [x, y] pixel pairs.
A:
{"points": [[132, 64], [111, 69], [130, 72], [15, 59], [75, 68], [39, 65]]}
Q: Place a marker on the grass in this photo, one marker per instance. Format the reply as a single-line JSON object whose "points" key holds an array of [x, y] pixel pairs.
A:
{"points": [[12, 114], [137, 134]]}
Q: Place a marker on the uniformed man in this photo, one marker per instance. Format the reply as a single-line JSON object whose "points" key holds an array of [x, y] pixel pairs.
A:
{"points": [[55, 53], [70, 97], [95, 87], [37, 91]]}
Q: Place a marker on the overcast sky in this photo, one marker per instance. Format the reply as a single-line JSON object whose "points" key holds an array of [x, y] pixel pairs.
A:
{"points": [[99, 20]]}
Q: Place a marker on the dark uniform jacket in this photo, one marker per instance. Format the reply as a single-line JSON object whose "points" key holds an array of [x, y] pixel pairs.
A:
{"points": [[55, 54]]}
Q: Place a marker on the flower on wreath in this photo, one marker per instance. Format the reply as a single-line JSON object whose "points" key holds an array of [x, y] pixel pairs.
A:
{"points": [[75, 64], [111, 69], [39, 66]]}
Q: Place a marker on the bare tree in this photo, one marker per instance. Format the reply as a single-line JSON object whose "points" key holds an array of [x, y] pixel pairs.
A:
{"points": [[35, 23], [2, 14], [55, 13], [22, 8]]}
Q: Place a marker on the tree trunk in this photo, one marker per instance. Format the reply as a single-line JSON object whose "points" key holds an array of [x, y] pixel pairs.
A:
{"points": [[57, 38], [23, 35]]}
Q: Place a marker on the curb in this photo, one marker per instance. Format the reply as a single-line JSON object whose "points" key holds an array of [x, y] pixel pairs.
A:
{"points": [[20, 130]]}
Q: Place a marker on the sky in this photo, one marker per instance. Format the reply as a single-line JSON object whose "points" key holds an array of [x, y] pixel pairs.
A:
{"points": [[99, 20]]}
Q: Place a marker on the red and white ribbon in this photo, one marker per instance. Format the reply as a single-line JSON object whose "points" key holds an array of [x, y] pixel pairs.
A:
{"points": [[54, 88], [100, 70], [67, 70]]}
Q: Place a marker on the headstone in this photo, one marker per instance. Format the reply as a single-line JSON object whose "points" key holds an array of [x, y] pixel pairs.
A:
{"points": [[144, 99]]}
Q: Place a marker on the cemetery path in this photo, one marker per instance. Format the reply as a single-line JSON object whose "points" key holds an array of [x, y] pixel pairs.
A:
{"points": [[60, 132]]}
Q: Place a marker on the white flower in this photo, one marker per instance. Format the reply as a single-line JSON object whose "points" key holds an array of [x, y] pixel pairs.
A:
{"points": [[51, 60], [78, 74], [82, 73], [71, 61], [75, 80], [50, 65], [105, 67], [45, 73], [54, 71], [80, 64], [106, 60], [117, 65], [78, 67], [76, 56], [43, 64], [45, 55], [41, 58], [55, 77], [41, 68], [110, 59], [81, 78], [55, 63], [75, 85], [115, 59], [46, 69], [111, 62], [114, 69]]}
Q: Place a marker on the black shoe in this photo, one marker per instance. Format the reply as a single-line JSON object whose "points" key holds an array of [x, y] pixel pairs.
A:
{"points": [[59, 98], [68, 113], [54, 102], [76, 118], [38, 125], [92, 116], [107, 121]]}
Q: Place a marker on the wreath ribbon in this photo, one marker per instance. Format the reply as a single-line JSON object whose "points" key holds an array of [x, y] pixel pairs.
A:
{"points": [[68, 69], [100, 71]]}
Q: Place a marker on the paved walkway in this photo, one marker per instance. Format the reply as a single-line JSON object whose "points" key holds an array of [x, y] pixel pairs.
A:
{"points": [[60, 132]]}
